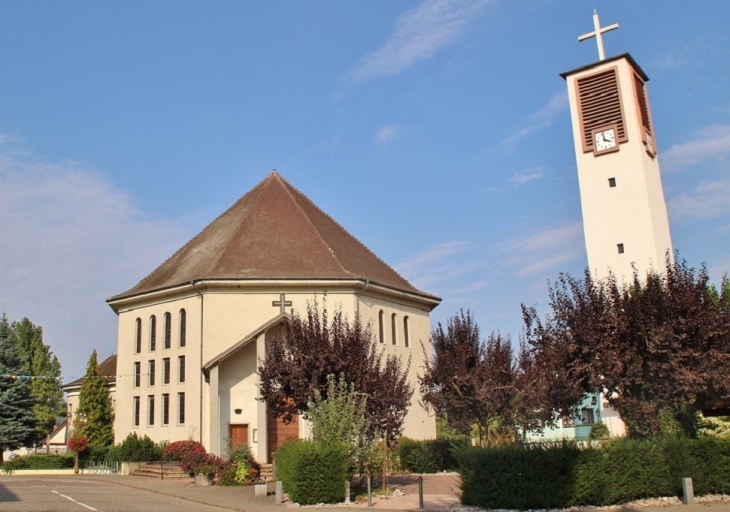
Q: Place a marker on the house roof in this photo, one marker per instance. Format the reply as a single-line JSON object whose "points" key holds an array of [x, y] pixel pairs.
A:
{"points": [[272, 232], [108, 368]]}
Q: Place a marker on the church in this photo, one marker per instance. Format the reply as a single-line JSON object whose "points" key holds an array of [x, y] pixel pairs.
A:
{"points": [[191, 333]]}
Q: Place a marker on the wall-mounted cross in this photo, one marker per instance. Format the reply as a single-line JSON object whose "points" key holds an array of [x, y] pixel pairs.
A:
{"points": [[281, 303], [598, 34]]}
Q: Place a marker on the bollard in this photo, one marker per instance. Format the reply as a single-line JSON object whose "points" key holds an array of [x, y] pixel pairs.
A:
{"points": [[273, 470], [260, 490], [688, 491], [347, 492], [162, 472], [420, 493], [370, 494], [279, 493]]}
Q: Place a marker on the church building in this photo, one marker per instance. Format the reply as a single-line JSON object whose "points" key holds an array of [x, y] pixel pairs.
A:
{"points": [[191, 333]]}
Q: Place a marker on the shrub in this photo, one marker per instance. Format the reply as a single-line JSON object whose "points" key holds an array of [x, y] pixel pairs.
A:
{"points": [[599, 430], [39, 461], [429, 456], [561, 475], [191, 454], [312, 472], [241, 468], [140, 449]]}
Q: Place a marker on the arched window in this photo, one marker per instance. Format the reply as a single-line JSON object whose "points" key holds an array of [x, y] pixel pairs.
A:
{"points": [[182, 327], [406, 332], [394, 329], [381, 327], [153, 333], [168, 329], [138, 336]]}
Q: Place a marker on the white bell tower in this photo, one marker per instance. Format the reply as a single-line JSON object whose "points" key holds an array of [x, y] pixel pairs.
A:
{"points": [[624, 214]]}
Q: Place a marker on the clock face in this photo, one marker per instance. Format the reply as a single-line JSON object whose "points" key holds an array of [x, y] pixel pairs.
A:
{"points": [[605, 139]]}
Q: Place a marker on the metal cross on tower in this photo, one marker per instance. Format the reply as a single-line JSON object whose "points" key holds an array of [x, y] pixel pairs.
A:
{"points": [[598, 34], [281, 303]]}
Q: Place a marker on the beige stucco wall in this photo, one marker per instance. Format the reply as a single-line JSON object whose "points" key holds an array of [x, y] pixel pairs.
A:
{"points": [[634, 212], [232, 314]]}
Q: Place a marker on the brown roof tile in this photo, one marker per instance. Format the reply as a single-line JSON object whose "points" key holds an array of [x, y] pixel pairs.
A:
{"points": [[272, 232], [108, 368]]}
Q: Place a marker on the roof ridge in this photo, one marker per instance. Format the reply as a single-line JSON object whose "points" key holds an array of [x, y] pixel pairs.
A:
{"points": [[286, 186], [267, 182], [349, 234], [188, 243]]}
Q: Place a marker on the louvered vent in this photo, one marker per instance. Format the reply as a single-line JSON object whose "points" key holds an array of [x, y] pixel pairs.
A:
{"points": [[643, 102], [600, 105]]}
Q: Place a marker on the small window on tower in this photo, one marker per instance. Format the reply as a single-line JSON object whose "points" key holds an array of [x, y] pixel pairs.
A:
{"points": [[612, 182], [620, 248]]}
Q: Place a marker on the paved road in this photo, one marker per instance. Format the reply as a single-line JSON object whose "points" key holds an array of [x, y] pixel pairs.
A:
{"points": [[80, 494]]}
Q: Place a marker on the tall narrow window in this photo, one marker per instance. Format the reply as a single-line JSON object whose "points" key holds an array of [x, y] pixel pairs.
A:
{"points": [[138, 339], [135, 411], [151, 372], [166, 370], [153, 333], [181, 408], [137, 374], [151, 410], [394, 330], [381, 327], [182, 327], [168, 329], [166, 409], [406, 332], [181, 368]]}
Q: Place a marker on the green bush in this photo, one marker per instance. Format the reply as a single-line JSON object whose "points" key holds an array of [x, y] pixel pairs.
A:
{"points": [[140, 449], [599, 430], [430, 456], [39, 461], [561, 475], [312, 472]]}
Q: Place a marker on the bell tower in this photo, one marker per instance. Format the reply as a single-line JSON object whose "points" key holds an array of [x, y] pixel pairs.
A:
{"points": [[624, 213]]}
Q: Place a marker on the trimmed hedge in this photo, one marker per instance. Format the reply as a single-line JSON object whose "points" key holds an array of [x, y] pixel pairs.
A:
{"points": [[140, 449], [565, 474], [39, 461], [429, 456], [312, 472]]}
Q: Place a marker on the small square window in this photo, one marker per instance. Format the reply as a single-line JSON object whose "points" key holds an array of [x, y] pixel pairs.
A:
{"points": [[620, 248], [612, 182]]}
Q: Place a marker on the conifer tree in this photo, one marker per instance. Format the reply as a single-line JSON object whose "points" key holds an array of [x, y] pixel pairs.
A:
{"points": [[45, 370], [17, 423], [94, 405]]}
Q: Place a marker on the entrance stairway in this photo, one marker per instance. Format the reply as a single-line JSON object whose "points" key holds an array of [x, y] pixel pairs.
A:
{"points": [[267, 472], [164, 470]]}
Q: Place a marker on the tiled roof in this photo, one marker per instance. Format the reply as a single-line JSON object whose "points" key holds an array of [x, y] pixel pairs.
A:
{"points": [[108, 368], [272, 232]]}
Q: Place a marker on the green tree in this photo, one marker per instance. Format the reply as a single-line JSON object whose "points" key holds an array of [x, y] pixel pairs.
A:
{"points": [[341, 418], [95, 407], [45, 386], [17, 423]]}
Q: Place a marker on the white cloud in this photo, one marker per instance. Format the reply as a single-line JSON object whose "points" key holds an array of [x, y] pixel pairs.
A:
{"points": [[707, 201], [520, 178], [540, 119], [417, 35], [386, 134], [437, 264], [545, 250], [709, 142], [71, 239]]}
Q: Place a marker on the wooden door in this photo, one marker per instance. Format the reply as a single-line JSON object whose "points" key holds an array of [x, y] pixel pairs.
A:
{"points": [[278, 433], [239, 434]]}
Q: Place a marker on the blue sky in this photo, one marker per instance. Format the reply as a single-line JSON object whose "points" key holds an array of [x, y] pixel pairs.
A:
{"points": [[437, 132]]}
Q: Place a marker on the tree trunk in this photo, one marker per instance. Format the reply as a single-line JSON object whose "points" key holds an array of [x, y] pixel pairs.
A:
{"points": [[76, 463]]}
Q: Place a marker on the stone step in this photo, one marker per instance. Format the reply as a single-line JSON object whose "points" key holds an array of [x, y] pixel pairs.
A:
{"points": [[166, 470], [267, 472]]}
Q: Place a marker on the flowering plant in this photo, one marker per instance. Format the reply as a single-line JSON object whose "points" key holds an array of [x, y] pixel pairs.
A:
{"points": [[78, 442]]}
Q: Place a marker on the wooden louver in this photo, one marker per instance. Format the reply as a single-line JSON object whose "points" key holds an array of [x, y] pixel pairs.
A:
{"points": [[599, 102], [641, 99]]}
